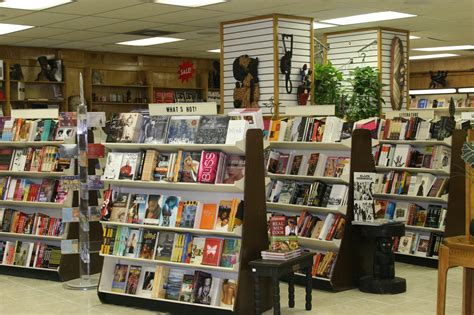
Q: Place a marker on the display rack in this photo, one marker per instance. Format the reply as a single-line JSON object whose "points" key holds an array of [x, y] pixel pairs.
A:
{"points": [[68, 267], [358, 146], [463, 100], [454, 199], [254, 236]]}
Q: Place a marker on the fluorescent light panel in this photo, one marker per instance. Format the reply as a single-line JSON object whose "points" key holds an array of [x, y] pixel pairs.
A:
{"points": [[466, 90], [432, 56], [432, 91], [369, 17], [217, 50], [414, 37], [190, 3], [11, 28], [150, 41], [32, 4], [318, 25], [446, 48]]}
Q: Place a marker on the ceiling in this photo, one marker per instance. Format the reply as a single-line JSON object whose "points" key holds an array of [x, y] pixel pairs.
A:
{"points": [[98, 24]]}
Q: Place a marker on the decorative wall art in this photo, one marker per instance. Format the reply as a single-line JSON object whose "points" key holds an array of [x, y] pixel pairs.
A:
{"points": [[398, 70]]}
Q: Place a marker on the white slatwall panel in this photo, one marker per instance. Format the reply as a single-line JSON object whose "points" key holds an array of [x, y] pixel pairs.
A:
{"points": [[343, 47], [387, 37], [254, 38], [301, 31]]}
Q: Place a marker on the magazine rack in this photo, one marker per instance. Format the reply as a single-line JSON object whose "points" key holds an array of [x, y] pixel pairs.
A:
{"points": [[454, 200], [69, 265], [359, 146], [254, 239]]}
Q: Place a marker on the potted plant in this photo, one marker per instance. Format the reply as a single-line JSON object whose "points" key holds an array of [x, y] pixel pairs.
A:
{"points": [[327, 84], [366, 94]]}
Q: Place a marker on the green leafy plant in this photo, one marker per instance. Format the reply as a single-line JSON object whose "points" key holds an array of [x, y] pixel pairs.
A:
{"points": [[327, 84], [366, 94]]}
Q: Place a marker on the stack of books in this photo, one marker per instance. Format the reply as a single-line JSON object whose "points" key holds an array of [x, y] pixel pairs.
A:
{"points": [[283, 238], [273, 255]]}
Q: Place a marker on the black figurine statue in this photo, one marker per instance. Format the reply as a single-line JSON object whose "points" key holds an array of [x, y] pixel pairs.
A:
{"points": [[383, 259]]}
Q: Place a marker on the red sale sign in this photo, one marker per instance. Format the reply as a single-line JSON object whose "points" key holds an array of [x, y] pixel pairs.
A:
{"points": [[186, 70]]}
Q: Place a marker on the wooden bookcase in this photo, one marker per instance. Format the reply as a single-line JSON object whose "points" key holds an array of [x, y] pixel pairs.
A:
{"points": [[37, 93], [359, 146], [254, 236], [454, 199]]}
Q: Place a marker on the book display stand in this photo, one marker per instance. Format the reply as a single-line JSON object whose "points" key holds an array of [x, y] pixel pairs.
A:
{"points": [[68, 266], [359, 146], [253, 237], [453, 200]]}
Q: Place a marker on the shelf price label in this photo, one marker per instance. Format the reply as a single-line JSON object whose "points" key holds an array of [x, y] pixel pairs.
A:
{"points": [[176, 109]]}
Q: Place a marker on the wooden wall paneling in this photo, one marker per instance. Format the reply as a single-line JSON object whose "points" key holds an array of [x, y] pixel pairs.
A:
{"points": [[7, 105]]}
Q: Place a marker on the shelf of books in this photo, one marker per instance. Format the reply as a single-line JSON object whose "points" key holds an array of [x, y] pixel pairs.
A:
{"points": [[311, 170], [439, 103], [36, 187], [419, 182], [183, 221]]}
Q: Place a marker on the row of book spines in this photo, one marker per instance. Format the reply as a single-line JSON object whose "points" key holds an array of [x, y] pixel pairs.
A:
{"points": [[323, 264], [393, 129], [434, 217], [37, 159], [41, 225], [435, 241], [313, 227], [40, 255], [18, 129], [20, 189], [400, 183], [385, 154]]}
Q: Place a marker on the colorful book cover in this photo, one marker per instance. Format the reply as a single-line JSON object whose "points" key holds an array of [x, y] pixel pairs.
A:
{"points": [[131, 249], [174, 283], [197, 250], [202, 287], [183, 129], [208, 167], [148, 244], [212, 251], [234, 169], [190, 167], [169, 211], [120, 278], [137, 208], [145, 285], [230, 253], [155, 129], [208, 216], [223, 216], [164, 246], [153, 209], [132, 281], [186, 292], [129, 164], [212, 129], [188, 215]]}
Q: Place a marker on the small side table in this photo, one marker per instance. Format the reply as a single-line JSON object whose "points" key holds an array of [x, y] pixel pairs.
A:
{"points": [[275, 269]]}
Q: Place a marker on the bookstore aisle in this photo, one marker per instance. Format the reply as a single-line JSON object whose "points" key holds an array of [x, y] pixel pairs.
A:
{"points": [[49, 297]]}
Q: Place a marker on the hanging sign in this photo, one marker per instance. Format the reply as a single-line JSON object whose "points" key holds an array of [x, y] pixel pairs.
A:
{"points": [[186, 71]]}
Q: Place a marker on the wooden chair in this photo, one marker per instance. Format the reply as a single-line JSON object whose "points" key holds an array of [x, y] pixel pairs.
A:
{"points": [[459, 251]]}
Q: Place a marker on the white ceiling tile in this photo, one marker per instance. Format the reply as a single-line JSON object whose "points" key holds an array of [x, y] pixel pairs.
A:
{"points": [[85, 22], [183, 16], [11, 40], [79, 35], [216, 20], [76, 45], [91, 7], [114, 38], [41, 18], [41, 31], [127, 26], [42, 42], [142, 10], [178, 28], [6, 13]]}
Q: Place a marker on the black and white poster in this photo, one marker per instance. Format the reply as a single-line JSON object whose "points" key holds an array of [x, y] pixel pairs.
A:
{"points": [[364, 196]]}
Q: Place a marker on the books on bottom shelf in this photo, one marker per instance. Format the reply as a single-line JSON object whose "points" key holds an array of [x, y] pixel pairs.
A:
{"points": [[171, 248], [174, 285], [30, 254], [14, 221], [324, 264], [418, 244]]}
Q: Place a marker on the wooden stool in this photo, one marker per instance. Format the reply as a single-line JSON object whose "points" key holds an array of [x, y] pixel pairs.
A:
{"points": [[275, 269], [456, 251]]}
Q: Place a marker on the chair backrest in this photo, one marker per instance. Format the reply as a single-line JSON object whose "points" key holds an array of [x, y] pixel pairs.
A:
{"points": [[469, 194]]}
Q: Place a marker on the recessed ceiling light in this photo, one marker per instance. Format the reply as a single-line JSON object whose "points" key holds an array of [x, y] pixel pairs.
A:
{"points": [[369, 17], [10, 28], [432, 56], [445, 48], [190, 3], [217, 50], [32, 4], [414, 37], [317, 25], [150, 41], [432, 91]]}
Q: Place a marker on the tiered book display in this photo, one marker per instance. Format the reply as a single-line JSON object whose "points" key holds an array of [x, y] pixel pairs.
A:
{"points": [[37, 189], [180, 229], [311, 172], [420, 183]]}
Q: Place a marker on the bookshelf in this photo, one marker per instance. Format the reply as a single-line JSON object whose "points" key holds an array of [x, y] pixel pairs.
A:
{"points": [[253, 238], [463, 100], [68, 267], [453, 200], [360, 146]]}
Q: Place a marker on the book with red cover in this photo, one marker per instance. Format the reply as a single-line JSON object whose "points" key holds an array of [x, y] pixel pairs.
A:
{"points": [[95, 151], [208, 167], [168, 96], [212, 251]]}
